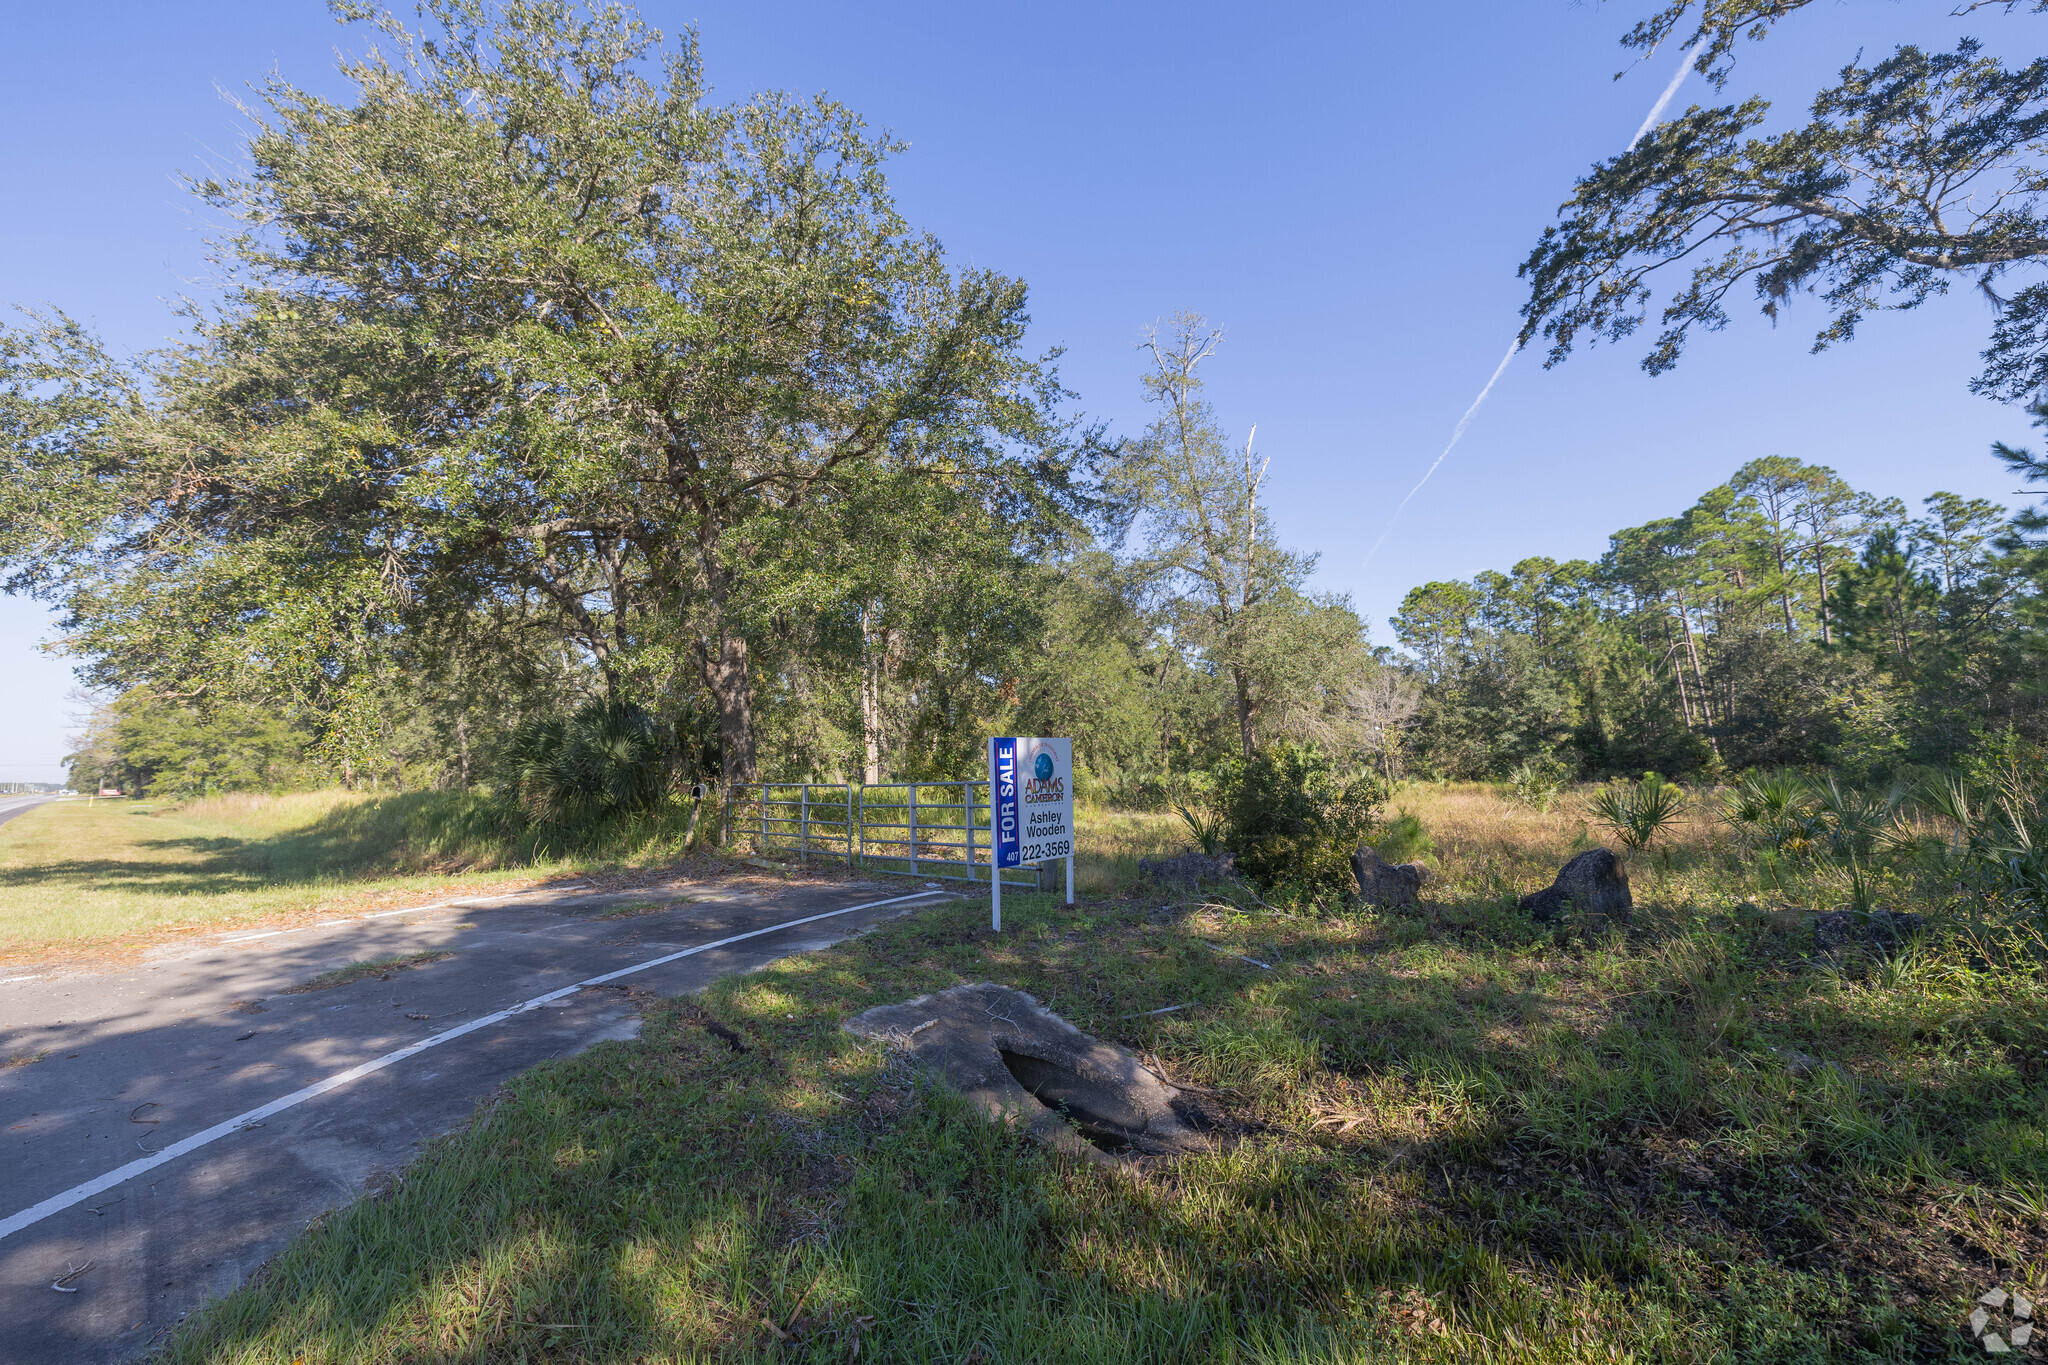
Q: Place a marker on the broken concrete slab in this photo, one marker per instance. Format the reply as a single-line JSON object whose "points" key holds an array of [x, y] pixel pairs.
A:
{"points": [[1018, 1062]]}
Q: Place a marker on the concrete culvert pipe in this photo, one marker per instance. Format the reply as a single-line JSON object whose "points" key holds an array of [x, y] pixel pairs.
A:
{"points": [[1018, 1062]]}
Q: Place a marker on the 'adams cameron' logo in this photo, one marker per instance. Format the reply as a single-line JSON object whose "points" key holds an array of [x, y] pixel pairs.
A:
{"points": [[1042, 785]]}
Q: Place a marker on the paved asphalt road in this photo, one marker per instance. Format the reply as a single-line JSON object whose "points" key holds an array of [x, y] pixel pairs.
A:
{"points": [[180, 1049], [11, 806]]}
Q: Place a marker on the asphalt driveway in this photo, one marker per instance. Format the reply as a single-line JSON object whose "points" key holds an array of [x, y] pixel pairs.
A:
{"points": [[185, 1115]]}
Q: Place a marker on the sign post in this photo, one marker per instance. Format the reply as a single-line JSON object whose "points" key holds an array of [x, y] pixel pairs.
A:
{"points": [[1030, 809]]}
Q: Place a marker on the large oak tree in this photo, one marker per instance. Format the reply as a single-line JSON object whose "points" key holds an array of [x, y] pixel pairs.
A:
{"points": [[526, 326]]}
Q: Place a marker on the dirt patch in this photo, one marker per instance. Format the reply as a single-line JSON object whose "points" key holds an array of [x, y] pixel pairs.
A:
{"points": [[697, 1015], [635, 909], [379, 967]]}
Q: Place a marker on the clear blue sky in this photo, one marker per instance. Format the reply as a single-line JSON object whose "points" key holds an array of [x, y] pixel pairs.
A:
{"points": [[1347, 188]]}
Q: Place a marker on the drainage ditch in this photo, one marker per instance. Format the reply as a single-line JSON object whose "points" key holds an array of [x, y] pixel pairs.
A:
{"points": [[1105, 1115]]}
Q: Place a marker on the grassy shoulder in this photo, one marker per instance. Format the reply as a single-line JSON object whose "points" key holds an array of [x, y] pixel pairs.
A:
{"points": [[1468, 1138], [77, 876]]}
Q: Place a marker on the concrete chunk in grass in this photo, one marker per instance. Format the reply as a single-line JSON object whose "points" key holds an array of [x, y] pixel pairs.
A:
{"points": [[1017, 1062]]}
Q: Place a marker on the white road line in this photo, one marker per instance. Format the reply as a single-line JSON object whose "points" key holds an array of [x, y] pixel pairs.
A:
{"points": [[413, 909], [57, 1203]]}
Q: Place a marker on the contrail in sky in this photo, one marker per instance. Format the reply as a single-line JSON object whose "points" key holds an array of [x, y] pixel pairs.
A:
{"points": [[1664, 100], [1458, 432]]}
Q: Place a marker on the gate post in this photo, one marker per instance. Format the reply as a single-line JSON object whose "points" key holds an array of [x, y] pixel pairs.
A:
{"points": [[967, 804], [803, 836], [913, 831]]}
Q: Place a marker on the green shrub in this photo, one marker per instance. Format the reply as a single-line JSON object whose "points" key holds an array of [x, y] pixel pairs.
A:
{"points": [[1996, 842], [606, 759], [1205, 827], [1536, 783], [1137, 791], [1195, 801], [1403, 839], [1638, 812], [1292, 820], [1773, 810]]}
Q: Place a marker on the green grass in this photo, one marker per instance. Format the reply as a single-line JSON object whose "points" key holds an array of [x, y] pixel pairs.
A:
{"points": [[1464, 1139], [78, 876]]}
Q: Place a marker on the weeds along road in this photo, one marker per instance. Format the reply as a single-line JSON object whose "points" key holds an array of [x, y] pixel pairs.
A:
{"points": [[172, 1123]]}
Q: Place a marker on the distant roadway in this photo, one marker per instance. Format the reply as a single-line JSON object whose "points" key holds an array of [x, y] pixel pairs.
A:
{"points": [[11, 806], [171, 1121]]}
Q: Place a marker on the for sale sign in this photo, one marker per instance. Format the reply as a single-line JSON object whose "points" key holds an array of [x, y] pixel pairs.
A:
{"points": [[1031, 799]]}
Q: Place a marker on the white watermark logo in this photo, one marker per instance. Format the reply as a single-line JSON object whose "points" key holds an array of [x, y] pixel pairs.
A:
{"points": [[2001, 1321]]}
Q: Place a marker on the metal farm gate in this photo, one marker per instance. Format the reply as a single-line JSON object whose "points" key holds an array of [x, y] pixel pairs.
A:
{"points": [[914, 829]]}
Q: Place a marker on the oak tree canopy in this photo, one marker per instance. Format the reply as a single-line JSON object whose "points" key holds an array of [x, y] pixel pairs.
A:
{"points": [[1913, 173], [530, 330]]}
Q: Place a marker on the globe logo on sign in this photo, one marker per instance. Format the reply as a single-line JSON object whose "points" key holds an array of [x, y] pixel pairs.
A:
{"points": [[1042, 769]]}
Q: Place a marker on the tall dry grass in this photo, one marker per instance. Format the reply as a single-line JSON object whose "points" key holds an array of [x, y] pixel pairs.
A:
{"points": [[1484, 844], [1490, 847], [1109, 844]]}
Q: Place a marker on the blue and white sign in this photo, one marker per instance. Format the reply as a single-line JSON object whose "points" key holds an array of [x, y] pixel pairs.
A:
{"points": [[1031, 799], [1002, 802]]}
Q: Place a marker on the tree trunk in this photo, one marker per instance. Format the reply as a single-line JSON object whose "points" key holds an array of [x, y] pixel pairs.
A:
{"points": [[722, 657], [1677, 673], [1698, 677], [1820, 573], [1901, 639], [727, 679], [1784, 579], [1244, 713], [870, 709]]}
